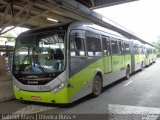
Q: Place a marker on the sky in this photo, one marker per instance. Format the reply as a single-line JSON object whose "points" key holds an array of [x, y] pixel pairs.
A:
{"points": [[141, 17], [15, 32]]}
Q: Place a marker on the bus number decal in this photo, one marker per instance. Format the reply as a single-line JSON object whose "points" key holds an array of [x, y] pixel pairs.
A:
{"points": [[44, 88]]}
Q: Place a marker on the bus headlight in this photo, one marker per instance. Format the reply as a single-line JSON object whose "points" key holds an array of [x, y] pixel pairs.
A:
{"points": [[59, 87], [16, 88]]}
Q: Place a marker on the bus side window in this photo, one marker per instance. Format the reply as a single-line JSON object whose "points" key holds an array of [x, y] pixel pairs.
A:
{"points": [[141, 49], [127, 49], [120, 46], [93, 44], [106, 45], [77, 49], [77, 46], [114, 44], [136, 49], [123, 47]]}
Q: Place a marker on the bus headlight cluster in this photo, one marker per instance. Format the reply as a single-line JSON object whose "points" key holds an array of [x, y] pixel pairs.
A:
{"points": [[16, 88], [59, 87]]}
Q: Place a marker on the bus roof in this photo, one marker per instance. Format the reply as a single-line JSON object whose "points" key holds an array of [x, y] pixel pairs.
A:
{"points": [[74, 25], [47, 28]]}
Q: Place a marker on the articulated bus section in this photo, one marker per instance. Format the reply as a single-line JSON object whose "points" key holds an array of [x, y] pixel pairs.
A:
{"points": [[68, 62], [150, 55]]}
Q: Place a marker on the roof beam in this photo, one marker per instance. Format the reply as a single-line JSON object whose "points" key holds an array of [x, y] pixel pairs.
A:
{"points": [[35, 11], [106, 3], [12, 10], [3, 2], [29, 9], [5, 13], [59, 10], [93, 3], [19, 13], [2, 6], [23, 22]]}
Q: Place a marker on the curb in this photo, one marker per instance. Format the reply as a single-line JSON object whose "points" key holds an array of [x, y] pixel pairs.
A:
{"points": [[6, 91]]}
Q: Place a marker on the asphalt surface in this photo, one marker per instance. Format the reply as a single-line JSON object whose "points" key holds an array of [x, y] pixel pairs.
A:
{"points": [[138, 95]]}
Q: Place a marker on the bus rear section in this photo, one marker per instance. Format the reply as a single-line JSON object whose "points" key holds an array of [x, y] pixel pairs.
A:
{"points": [[138, 55], [96, 59], [149, 53]]}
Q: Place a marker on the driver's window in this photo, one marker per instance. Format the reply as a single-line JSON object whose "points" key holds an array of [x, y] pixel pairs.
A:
{"points": [[77, 48], [76, 44]]}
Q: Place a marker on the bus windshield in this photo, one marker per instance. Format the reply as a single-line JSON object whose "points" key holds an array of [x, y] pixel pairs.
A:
{"points": [[40, 53]]}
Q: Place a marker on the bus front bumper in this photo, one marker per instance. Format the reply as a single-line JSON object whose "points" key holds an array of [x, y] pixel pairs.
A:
{"points": [[60, 97]]}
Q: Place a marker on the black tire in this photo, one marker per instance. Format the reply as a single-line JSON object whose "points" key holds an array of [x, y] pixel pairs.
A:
{"points": [[127, 73], [142, 66], [97, 86], [149, 63]]}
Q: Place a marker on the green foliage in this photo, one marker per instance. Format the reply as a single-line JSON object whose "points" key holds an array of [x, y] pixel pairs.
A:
{"points": [[10, 37], [158, 55], [157, 43]]}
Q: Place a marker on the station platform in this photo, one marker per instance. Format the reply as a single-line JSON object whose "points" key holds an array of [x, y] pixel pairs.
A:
{"points": [[6, 89]]}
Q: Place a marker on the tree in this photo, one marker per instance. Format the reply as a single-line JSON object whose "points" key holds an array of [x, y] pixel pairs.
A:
{"points": [[157, 43], [10, 37]]}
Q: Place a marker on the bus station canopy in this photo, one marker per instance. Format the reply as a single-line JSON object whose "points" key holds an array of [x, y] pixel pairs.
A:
{"points": [[40, 13]]}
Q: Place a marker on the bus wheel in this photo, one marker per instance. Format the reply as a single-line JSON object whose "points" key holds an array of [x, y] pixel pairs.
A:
{"points": [[97, 86], [127, 73], [142, 66]]}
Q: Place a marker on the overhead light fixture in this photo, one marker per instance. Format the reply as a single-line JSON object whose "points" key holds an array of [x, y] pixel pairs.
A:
{"points": [[51, 19]]}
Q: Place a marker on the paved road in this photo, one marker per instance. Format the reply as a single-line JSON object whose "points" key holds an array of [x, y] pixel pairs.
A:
{"points": [[139, 94]]}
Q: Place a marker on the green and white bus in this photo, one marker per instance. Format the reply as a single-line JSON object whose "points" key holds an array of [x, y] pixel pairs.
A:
{"points": [[138, 55], [150, 55], [61, 64]]}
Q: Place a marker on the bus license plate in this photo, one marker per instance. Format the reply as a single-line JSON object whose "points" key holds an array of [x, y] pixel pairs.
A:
{"points": [[36, 98]]}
